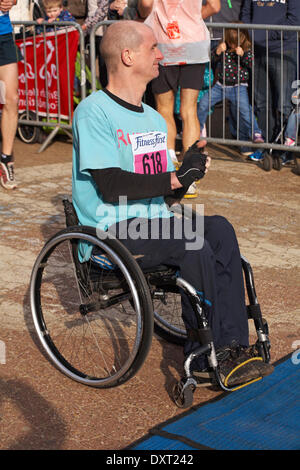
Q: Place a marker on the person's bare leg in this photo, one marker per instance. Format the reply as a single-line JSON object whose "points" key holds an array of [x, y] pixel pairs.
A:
{"points": [[190, 126], [9, 118], [165, 107], [190, 121], [9, 122]]}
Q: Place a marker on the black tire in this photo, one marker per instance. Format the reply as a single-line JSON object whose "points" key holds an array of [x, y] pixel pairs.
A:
{"points": [[27, 133], [267, 163], [95, 325], [183, 398], [277, 163], [296, 169]]}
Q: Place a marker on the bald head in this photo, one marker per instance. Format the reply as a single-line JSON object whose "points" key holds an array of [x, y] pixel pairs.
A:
{"points": [[119, 36]]}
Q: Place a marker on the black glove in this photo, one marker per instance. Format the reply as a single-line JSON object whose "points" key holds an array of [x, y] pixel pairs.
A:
{"points": [[193, 166]]}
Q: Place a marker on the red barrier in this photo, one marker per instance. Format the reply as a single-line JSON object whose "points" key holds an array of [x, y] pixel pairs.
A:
{"points": [[47, 79]]}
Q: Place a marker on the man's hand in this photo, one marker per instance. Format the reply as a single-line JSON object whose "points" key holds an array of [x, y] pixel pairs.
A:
{"points": [[194, 166], [6, 5], [119, 6]]}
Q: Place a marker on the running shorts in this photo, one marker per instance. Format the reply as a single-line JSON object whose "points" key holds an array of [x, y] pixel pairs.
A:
{"points": [[9, 52], [173, 76]]}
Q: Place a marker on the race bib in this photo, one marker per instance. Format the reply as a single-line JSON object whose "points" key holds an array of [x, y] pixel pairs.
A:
{"points": [[173, 30], [149, 152]]}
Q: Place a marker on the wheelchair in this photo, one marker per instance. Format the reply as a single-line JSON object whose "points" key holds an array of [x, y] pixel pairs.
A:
{"points": [[95, 322]]}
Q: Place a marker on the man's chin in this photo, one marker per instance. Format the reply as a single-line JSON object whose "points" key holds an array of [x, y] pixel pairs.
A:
{"points": [[156, 72]]}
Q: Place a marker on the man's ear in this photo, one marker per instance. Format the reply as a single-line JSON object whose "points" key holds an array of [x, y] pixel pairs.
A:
{"points": [[127, 57]]}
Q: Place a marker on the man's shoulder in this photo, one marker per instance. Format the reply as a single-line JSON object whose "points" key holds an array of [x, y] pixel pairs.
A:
{"points": [[150, 110], [94, 101]]}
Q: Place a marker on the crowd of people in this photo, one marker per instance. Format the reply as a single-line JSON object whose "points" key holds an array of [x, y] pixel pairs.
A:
{"points": [[166, 45], [188, 43]]}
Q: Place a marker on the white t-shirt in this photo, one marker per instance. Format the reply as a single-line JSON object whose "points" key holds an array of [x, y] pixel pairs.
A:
{"points": [[181, 33]]}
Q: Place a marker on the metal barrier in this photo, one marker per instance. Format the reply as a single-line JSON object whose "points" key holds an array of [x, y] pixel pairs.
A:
{"points": [[223, 140], [65, 125], [295, 87], [45, 85]]}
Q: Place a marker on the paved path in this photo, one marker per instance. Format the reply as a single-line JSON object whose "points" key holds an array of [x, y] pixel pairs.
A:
{"points": [[40, 408]]}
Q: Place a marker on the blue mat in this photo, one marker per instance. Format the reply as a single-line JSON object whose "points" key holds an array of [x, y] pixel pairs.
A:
{"points": [[262, 416]]}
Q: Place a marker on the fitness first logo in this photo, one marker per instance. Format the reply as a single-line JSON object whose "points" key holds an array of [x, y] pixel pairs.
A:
{"points": [[151, 139]]}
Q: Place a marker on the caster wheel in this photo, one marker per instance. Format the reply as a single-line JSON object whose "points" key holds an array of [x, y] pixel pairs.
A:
{"points": [[183, 396], [296, 170], [28, 134], [267, 162], [277, 165]]}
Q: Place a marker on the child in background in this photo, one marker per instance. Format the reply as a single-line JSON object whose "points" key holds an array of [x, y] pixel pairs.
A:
{"points": [[232, 59], [292, 127], [291, 132], [54, 13]]}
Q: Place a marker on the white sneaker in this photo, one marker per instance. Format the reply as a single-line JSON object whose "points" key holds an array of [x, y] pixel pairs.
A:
{"points": [[191, 192], [7, 176]]}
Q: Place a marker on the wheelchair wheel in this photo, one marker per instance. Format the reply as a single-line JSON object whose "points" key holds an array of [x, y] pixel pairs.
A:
{"points": [[28, 134], [94, 324], [267, 162], [168, 323], [183, 396], [296, 169], [277, 163]]}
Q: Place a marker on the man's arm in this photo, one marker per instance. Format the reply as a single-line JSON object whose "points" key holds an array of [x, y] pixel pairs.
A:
{"points": [[6, 5], [144, 8], [246, 12], [211, 8], [292, 17], [115, 182], [99, 15]]}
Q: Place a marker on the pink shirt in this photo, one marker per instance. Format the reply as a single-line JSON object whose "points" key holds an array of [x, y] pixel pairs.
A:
{"points": [[181, 33]]}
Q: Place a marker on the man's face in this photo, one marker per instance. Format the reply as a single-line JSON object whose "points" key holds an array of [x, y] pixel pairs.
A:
{"points": [[53, 12], [148, 56]]}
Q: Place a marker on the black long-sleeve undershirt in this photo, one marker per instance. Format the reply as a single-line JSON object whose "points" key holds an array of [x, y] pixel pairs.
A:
{"points": [[115, 182]]}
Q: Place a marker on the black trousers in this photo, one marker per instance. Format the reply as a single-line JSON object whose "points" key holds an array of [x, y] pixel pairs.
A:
{"points": [[209, 261]]}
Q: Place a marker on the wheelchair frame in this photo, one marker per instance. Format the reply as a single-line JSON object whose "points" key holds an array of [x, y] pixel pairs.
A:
{"points": [[132, 332]]}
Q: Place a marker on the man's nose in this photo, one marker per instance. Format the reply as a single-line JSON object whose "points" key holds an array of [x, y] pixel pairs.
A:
{"points": [[159, 54]]}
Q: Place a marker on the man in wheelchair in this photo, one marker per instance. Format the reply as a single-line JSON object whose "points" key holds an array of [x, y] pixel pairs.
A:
{"points": [[123, 178]]}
